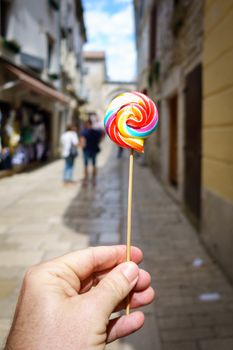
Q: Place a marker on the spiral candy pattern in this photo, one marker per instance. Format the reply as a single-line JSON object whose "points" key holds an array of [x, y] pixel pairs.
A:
{"points": [[130, 118]]}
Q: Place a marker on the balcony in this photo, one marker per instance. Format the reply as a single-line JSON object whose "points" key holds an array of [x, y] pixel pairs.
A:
{"points": [[33, 62]]}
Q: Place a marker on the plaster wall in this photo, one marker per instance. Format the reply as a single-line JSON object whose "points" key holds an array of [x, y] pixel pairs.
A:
{"points": [[29, 24], [217, 133]]}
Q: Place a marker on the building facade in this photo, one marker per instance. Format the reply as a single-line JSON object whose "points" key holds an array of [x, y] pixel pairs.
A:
{"points": [[99, 90], [217, 132], [176, 49], [35, 99], [73, 38]]}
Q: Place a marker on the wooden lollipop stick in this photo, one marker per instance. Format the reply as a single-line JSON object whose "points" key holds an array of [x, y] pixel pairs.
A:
{"points": [[129, 221]]}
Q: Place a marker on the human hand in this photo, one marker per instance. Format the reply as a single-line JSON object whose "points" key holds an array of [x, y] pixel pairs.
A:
{"points": [[59, 309], [82, 142]]}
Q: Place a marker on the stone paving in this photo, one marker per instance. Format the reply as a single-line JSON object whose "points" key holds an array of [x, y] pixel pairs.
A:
{"points": [[41, 219], [186, 279]]}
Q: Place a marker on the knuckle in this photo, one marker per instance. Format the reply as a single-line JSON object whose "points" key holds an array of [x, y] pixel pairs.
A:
{"points": [[31, 274], [28, 280]]}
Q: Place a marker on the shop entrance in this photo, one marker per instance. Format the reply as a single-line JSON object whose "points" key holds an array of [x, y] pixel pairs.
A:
{"points": [[173, 178], [25, 135], [193, 123]]}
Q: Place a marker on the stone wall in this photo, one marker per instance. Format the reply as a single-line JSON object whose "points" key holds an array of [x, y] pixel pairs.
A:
{"points": [[101, 91], [93, 82], [179, 34], [179, 49]]}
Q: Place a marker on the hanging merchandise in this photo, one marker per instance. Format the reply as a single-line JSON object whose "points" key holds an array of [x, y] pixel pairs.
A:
{"points": [[12, 130]]}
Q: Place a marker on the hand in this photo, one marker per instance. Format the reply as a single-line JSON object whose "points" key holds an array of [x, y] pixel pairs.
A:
{"points": [[59, 309], [82, 142]]}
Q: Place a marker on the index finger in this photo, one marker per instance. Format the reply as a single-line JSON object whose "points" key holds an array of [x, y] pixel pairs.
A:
{"points": [[95, 259]]}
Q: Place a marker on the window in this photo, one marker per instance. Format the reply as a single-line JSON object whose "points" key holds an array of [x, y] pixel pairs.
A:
{"points": [[54, 4], [153, 32], [4, 15], [141, 8], [176, 3], [173, 142], [50, 47]]}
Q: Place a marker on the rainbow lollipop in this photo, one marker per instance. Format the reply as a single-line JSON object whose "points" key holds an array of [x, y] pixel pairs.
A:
{"points": [[130, 118]]}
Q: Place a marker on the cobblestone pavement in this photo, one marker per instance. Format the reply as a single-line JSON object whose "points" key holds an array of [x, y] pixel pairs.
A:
{"points": [[41, 219]]}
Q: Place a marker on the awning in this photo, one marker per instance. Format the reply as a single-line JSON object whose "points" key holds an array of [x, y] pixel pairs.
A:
{"points": [[36, 85]]}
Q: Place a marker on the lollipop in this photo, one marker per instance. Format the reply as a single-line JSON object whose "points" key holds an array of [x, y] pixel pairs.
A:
{"points": [[130, 118]]}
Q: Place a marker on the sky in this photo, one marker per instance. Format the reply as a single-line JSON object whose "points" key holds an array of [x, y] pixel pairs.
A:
{"points": [[110, 28]]}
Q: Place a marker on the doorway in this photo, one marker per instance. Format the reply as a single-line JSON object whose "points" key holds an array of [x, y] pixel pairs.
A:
{"points": [[193, 125], [173, 157]]}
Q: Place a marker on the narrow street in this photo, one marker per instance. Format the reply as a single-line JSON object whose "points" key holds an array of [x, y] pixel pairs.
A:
{"points": [[41, 219]]}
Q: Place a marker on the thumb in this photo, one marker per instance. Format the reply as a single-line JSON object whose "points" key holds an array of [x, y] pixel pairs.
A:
{"points": [[116, 286]]}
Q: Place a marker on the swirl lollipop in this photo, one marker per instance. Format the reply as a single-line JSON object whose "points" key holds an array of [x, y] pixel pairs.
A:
{"points": [[130, 118]]}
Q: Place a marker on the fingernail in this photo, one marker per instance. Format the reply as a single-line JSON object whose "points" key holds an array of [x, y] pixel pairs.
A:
{"points": [[130, 271]]}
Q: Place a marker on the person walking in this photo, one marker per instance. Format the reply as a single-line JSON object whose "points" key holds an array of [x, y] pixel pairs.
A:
{"points": [[90, 139], [69, 142]]}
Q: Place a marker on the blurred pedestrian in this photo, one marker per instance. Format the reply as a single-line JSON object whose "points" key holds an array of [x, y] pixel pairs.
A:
{"points": [[5, 159], [58, 308], [90, 140], [69, 142], [120, 152]]}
